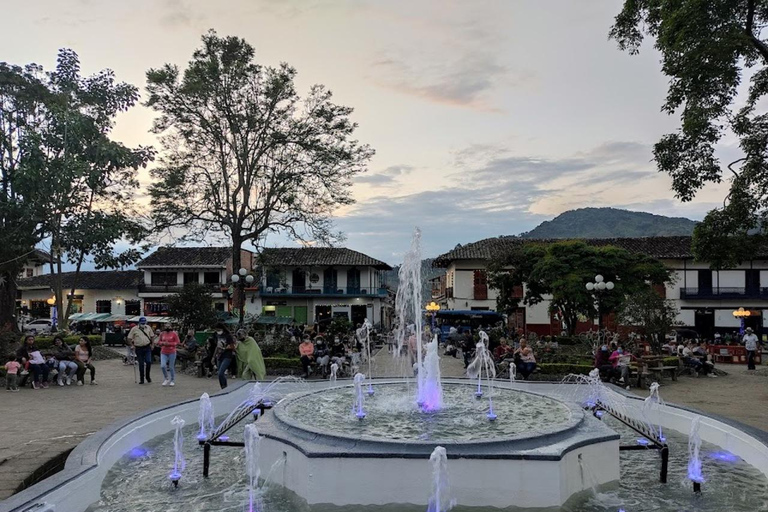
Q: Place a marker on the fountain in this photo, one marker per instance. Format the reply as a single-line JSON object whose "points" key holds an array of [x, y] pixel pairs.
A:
{"points": [[334, 371], [359, 399], [251, 440], [694, 457], [364, 335], [433, 388], [652, 408], [441, 500], [178, 449], [205, 417], [483, 364]]}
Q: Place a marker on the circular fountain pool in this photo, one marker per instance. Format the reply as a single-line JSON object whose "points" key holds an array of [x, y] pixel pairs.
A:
{"points": [[392, 415]]}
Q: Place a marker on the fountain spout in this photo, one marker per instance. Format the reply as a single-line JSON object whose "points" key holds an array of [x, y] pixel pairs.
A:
{"points": [[441, 500], [252, 455], [433, 388], [334, 371], [359, 399], [178, 445], [694, 458], [205, 417], [483, 365]]}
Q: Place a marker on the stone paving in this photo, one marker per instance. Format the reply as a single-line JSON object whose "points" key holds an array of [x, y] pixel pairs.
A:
{"points": [[39, 425]]}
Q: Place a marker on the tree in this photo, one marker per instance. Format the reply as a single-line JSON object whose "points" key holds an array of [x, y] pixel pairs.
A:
{"points": [[652, 313], [707, 46], [192, 307], [21, 91], [76, 181], [244, 155], [558, 272]]}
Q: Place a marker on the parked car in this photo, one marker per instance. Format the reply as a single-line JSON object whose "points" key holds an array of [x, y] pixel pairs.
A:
{"points": [[39, 326]]}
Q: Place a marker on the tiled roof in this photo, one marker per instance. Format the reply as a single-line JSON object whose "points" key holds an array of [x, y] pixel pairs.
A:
{"points": [[187, 257], [92, 280], [40, 255], [661, 247], [319, 256]]}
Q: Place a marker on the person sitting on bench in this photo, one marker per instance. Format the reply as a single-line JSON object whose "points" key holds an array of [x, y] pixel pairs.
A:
{"points": [[620, 361], [525, 361], [307, 353]]}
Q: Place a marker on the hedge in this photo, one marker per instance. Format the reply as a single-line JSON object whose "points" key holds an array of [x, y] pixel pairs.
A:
{"points": [[284, 363]]}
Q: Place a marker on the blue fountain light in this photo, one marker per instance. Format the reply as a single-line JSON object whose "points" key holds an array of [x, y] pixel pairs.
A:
{"points": [[138, 452], [201, 437], [643, 441], [224, 438], [360, 415], [599, 414], [725, 456], [174, 476], [478, 394]]}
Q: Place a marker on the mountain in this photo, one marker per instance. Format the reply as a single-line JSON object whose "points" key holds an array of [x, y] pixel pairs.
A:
{"points": [[427, 273], [610, 223]]}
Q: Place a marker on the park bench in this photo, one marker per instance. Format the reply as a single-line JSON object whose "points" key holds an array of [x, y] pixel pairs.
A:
{"points": [[655, 365]]}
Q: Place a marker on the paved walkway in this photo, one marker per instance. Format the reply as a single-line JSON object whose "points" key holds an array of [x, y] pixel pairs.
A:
{"points": [[37, 426]]}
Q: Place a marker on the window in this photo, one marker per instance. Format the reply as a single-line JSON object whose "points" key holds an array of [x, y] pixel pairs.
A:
{"points": [[104, 306], [480, 285], [273, 279], [219, 306], [330, 280], [191, 278], [164, 278], [353, 281], [211, 278], [132, 307], [299, 280], [30, 272]]}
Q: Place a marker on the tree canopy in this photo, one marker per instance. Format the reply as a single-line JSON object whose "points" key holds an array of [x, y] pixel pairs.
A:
{"points": [[560, 271], [708, 47], [192, 307], [245, 156]]}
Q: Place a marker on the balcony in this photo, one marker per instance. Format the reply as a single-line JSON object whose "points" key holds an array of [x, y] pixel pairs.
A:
{"points": [[323, 291], [176, 288], [723, 293]]}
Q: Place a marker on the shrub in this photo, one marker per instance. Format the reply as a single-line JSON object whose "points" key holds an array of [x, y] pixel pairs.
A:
{"points": [[283, 363], [279, 346], [670, 361], [8, 341]]}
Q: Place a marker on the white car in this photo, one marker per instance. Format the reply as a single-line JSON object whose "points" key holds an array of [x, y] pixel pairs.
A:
{"points": [[39, 326]]}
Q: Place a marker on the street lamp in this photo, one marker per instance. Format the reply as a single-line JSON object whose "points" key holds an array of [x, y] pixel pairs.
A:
{"points": [[433, 307], [599, 285], [240, 285], [742, 314]]}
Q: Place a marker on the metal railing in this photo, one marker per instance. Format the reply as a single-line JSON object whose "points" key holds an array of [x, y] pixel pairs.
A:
{"points": [[176, 288], [358, 291]]}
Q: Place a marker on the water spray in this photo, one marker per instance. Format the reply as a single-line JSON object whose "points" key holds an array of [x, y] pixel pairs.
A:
{"points": [[178, 446], [205, 417]]}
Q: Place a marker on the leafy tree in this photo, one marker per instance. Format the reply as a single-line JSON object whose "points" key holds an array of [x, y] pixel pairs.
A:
{"points": [[707, 49], [652, 313], [21, 91], [245, 156], [558, 272], [192, 307], [76, 181]]}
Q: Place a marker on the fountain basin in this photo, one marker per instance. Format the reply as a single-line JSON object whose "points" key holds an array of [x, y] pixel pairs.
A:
{"points": [[542, 465]]}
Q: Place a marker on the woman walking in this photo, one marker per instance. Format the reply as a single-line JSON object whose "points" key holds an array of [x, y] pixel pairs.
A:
{"points": [[168, 342]]}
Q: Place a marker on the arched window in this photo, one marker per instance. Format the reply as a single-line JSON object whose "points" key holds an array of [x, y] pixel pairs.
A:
{"points": [[353, 281]]}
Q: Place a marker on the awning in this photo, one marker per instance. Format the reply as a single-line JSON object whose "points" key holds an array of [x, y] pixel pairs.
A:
{"points": [[89, 317], [114, 318], [76, 316], [150, 319], [275, 320]]}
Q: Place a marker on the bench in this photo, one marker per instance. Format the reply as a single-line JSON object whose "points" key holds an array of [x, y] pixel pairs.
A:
{"points": [[661, 370]]}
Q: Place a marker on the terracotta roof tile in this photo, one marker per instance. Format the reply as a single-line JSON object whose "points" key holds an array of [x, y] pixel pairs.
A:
{"points": [[187, 257], [90, 280], [319, 256]]}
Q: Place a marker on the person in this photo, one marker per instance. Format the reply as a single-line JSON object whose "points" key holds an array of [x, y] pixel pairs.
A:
{"points": [[307, 353], [603, 362], [188, 349], [225, 352], [750, 343], [525, 361], [168, 342], [322, 355], [64, 357], [84, 354], [12, 367], [701, 352], [142, 339], [250, 362], [130, 354], [689, 359], [29, 354], [210, 352], [620, 362], [501, 351]]}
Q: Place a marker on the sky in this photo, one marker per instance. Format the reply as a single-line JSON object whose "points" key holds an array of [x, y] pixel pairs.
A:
{"points": [[487, 117]]}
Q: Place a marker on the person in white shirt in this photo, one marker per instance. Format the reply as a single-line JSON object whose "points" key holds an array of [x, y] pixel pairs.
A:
{"points": [[750, 343]]}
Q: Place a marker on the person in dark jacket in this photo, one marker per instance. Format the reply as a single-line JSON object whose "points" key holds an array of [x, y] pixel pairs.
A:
{"points": [[225, 352], [67, 363], [29, 354]]}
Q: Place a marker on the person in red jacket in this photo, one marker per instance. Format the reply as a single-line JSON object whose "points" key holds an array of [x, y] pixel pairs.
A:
{"points": [[168, 341]]}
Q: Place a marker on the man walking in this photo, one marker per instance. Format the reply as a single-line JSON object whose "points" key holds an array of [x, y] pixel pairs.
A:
{"points": [[142, 339], [750, 343]]}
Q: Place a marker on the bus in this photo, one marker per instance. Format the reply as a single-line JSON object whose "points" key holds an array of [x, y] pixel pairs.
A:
{"points": [[464, 320]]}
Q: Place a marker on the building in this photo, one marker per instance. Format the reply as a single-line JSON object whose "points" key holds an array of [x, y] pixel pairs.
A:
{"points": [[167, 270], [315, 284], [112, 291], [35, 264], [706, 298]]}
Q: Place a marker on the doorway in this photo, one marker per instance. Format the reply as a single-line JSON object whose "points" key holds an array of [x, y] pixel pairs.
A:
{"points": [[322, 313], [359, 314], [704, 322]]}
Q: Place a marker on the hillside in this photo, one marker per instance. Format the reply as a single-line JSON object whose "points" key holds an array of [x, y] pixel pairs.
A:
{"points": [[610, 223]]}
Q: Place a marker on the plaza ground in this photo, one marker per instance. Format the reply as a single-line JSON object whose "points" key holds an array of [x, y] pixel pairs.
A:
{"points": [[38, 426]]}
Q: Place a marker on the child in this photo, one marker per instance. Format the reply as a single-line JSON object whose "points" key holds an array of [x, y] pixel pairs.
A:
{"points": [[11, 374]]}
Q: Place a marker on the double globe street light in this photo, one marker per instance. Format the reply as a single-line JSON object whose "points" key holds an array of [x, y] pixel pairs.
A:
{"points": [[247, 279], [599, 285]]}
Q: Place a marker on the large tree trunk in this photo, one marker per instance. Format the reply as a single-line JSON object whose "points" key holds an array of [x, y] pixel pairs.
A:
{"points": [[8, 319]]}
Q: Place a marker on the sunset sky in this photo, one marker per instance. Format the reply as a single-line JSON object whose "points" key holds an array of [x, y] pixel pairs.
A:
{"points": [[487, 117]]}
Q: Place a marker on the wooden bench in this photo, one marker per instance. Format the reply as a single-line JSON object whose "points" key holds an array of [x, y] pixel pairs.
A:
{"points": [[661, 370]]}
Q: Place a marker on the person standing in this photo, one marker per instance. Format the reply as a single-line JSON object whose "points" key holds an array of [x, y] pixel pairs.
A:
{"points": [[168, 341], [750, 343], [250, 362], [142, 339], [225, 349], [11, 374]]}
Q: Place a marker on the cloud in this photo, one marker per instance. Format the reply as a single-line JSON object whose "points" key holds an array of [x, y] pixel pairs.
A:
{"points": [[178, 13], [387, 177]]}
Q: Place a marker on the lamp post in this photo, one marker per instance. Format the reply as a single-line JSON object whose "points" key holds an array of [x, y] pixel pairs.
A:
{"points": [[599, 285], [433, 307], [54, 312], [742, 314], [239, 281]]}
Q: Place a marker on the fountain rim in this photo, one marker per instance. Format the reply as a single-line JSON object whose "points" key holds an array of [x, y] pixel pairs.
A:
{"points": [[575, 420]]}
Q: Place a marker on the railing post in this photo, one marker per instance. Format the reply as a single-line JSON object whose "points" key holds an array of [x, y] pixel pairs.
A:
{"points": [[206, 458], [664, 463]]}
